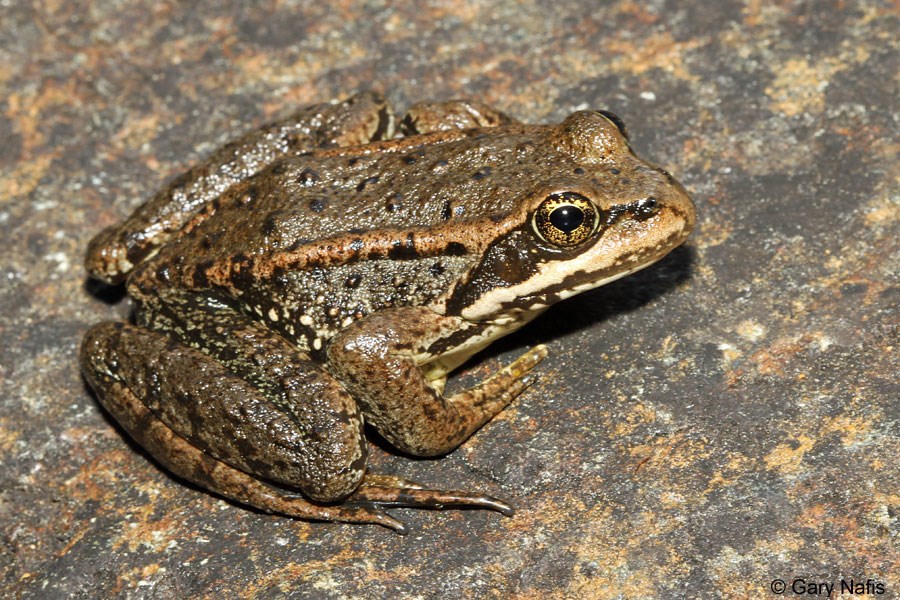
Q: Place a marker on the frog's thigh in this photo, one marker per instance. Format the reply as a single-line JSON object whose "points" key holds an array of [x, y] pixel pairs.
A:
{"points": [[303, 431], [376, 358], [428, 117]]}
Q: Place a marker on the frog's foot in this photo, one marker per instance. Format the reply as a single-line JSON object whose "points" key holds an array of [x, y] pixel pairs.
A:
{"points": [[513, 379], [378, 492]]}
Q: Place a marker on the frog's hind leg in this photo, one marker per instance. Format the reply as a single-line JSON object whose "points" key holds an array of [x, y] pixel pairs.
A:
{"points": [[203, 423], [185, 460], [270, 413]]}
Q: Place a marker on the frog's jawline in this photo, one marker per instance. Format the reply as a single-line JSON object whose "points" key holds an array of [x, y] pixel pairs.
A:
{"points": [[511, 317]]}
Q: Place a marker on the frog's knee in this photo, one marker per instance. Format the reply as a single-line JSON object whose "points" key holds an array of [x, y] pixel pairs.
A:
{"points": [[98, 347], [336, 486]]}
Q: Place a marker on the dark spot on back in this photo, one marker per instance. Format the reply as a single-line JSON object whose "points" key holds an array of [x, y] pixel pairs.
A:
{"points": [[409, 159], [578, 171], [395, 203], [368, 181], [270, 224], [447, 211], [437, 269], [317, 205], [307, 177], [404, 248], [279, 276], [481, 173], [353, 281], [163, 274], [455, 249], [201, 280]]}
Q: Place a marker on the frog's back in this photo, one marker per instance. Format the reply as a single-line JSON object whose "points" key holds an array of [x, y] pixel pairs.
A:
{"points": [[317, 241], [397, 186]]}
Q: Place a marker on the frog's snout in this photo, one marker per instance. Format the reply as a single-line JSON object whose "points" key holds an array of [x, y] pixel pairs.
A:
{"points": [[675, 205]]}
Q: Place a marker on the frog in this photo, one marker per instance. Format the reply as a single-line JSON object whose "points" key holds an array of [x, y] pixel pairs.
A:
{"points": [[330, 270]]}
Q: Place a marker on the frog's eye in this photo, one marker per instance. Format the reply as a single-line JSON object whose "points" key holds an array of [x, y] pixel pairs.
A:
{"points": [[566, 219]]}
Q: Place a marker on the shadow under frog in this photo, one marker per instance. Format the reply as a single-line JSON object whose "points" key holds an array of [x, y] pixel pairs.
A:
{"points": [[323, 272]]}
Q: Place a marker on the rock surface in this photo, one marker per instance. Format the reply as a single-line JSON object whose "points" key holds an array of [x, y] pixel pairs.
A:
{"points": [[722, 420]]}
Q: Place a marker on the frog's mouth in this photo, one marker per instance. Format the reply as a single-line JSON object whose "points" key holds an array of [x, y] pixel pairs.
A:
{"points": [[570, 287]]}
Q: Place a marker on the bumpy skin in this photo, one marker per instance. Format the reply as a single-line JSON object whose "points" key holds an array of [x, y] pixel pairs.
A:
{"points": [[312, 275]]}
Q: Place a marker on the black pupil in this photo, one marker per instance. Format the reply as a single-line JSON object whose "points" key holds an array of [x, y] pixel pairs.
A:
{"points": [[567, 218]]}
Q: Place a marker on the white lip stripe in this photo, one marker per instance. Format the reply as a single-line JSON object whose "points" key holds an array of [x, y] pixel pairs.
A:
{"points": [[491, 304], [596, 261]]}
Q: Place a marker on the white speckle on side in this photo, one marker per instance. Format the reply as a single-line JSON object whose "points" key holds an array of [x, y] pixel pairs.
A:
{"points": [[273, 314], [317, 343], [306, 320]]}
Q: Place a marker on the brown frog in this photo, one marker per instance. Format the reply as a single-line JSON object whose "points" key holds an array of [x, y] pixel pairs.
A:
{"points": [[322, 272]]}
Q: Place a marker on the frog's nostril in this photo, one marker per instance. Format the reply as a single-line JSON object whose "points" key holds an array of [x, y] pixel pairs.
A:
{"points": [[646, 207]]}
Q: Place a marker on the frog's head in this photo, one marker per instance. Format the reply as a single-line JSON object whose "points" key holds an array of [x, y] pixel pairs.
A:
{"points": [[607, 214]]}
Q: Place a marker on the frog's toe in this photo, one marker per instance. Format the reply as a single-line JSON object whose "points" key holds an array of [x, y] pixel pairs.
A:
{"points": [[383, 491]]}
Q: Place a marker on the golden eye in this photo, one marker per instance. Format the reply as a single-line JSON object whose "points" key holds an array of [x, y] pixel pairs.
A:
{"points": [[566, 219]]}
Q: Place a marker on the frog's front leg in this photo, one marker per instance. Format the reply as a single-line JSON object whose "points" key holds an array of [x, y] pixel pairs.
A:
{"points": [[379, 359]]}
